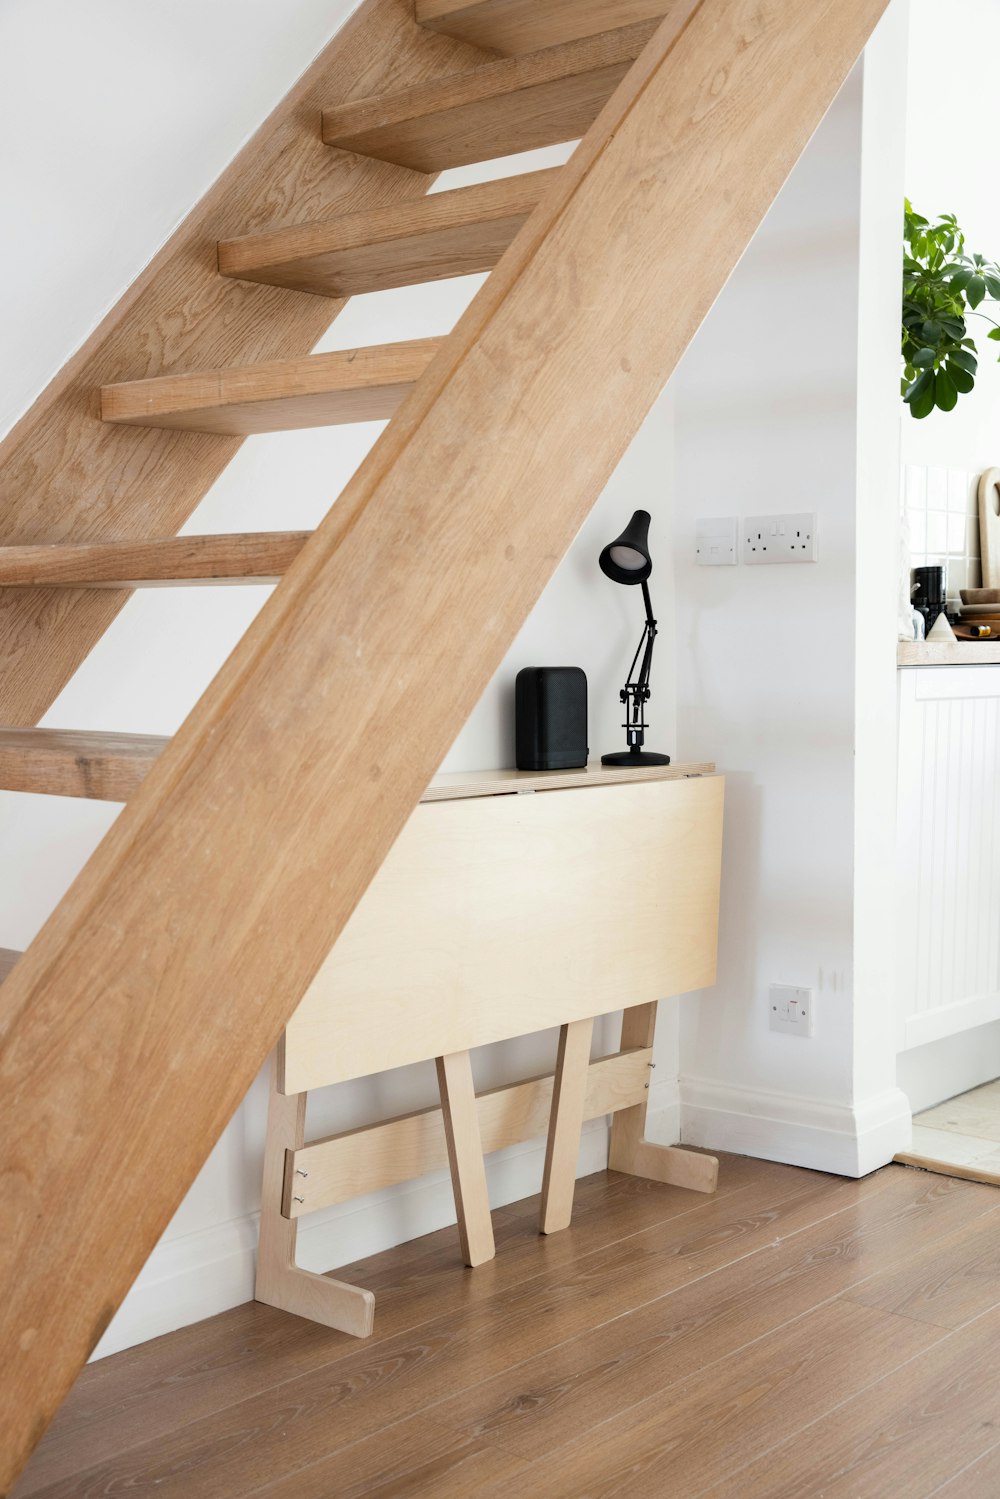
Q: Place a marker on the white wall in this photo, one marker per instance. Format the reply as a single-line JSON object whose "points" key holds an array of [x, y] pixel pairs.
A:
{"points": [[951, 168], [113, 208], [767, 421], [949, 173]]}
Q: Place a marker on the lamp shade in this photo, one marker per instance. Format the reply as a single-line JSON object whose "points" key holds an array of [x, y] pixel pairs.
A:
{"points": [[627, 559]]}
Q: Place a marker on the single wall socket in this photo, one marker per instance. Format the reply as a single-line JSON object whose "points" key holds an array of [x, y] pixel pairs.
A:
{"points": [[779, 538], [791, 1010], [716, 540]]}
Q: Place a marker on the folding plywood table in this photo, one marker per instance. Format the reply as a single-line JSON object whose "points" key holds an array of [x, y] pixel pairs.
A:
{"points": [[510, 903]]}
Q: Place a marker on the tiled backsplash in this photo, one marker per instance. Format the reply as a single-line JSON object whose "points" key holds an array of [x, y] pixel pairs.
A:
{"points": [[941, 506]]}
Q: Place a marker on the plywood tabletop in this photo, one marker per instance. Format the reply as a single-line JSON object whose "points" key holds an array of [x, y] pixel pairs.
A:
{"points": [[455, 784]]}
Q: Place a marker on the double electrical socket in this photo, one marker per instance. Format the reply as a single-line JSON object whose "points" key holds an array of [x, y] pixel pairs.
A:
{"points": [[763, 539]]}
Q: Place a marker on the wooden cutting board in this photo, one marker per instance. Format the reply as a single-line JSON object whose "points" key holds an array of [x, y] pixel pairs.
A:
{"points": [[989, 526]]}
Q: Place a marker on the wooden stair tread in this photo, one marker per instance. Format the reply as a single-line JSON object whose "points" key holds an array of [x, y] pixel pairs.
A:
{"points": [[318, 390], [8, 957], [445, 234], [500, 108], [66, 762], [516, 26], [250, 557]]}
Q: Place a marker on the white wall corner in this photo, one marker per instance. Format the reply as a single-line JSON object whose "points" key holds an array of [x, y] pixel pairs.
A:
{"points": [[849, 1140]]}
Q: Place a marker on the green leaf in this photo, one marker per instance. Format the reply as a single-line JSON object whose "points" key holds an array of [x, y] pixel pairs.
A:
{"points": [[961, 278], [964, 360], [994, 333], [931, 331], [923, 383], [923, 359], [923, 405], [963, 381], [976, 291], [945, 391], [993, 286]]}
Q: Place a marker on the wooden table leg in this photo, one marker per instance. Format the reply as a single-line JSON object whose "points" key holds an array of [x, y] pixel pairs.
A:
{"points": [[630, 1151], [465, 1154], [565, 1123], [280, 1282]]}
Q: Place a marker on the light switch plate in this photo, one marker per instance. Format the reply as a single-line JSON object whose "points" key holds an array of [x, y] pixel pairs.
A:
{"points": [[779, 538], [716, 540], [791, 1010]]}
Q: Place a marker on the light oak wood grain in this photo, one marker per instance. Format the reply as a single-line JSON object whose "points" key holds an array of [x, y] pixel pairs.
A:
{"points": [[353, 681], [376, 1156], [67, 476], [459, 783], [280, 1282], [498, 109], [445, 234], [569, 1097], [252, 557], [465, 1156], [63, 762], [515, 26], [8, 957], [970, 1172], [321, 390], [427, 964], [948, 653]]}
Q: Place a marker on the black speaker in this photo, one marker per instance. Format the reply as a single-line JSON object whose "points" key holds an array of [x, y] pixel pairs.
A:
{"points": [[550, 706]]}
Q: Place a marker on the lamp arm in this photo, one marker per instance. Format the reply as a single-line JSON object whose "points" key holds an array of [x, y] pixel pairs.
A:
{"points": [[646, 644]]}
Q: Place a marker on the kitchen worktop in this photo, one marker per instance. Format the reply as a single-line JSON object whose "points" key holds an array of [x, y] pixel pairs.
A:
{"points": [[948, 653]]}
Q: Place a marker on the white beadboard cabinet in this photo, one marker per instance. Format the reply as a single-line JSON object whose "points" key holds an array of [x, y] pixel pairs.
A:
{"points": [[949, 851]]}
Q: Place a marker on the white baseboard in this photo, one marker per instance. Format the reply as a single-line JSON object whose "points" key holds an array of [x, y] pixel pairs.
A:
{"points": [[850, 1140], [930, 1074], [199, 1274]]}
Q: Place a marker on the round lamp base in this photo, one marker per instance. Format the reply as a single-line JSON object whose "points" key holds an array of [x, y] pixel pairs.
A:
{"points": [[635, 757]]}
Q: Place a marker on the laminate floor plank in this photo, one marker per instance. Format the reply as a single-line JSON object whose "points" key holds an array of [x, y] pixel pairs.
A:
{"points": [[537, 1406], [663, 1344], [904, 1436], [948, 1281], [979, 1480], [716, 1421], [418, 1459], [510, 1308], [161, 1385]]}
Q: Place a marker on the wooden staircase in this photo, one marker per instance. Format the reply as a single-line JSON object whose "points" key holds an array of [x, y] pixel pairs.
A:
{"points": [[134, 1023]]}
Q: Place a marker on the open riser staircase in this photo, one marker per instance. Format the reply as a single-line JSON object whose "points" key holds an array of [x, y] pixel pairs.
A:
{"points": [[134, 1023]]}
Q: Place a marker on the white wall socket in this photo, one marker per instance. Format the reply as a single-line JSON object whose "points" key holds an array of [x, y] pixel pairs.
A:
{"points": [[779, 538], [791, 1010], [715, 541]]}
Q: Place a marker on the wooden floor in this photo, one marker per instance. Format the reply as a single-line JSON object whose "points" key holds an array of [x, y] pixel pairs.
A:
{"points": [[796, 1335]]}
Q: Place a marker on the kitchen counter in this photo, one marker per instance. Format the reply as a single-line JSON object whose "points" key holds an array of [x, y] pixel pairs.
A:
{"points": [[948, 653]]}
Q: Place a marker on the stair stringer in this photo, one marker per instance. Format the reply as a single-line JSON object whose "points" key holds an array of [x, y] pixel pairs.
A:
{"points": [[67, 476], [136, 1020]]}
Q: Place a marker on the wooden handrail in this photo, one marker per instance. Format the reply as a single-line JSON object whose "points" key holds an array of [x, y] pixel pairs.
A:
{"points": [[134, 1023]]}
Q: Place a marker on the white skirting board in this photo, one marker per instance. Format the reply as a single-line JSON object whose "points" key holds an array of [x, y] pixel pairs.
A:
{"points": [[199, 1274], [850, 1140]]}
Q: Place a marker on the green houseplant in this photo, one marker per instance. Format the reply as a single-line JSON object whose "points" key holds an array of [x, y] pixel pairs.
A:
{"points": [[942, 287]]}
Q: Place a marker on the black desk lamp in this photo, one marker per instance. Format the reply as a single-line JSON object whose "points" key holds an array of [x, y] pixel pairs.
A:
{"points": [[627, 560]]}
